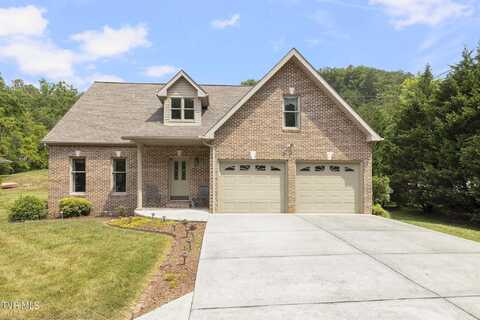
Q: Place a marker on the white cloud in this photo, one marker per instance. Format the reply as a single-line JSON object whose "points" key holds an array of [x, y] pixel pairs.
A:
{"points": [[39, 58], [26, 21], [159, 71], [226, 23], [110, 42], [406, 13]]}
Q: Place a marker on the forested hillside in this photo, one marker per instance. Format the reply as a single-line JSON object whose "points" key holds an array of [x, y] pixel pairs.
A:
{"points": [[26, 115]]}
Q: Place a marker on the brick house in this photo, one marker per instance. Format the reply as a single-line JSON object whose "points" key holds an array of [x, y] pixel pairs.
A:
{"points": [[289, 143]]}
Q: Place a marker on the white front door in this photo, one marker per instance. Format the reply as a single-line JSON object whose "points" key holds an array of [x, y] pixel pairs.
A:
{"points": [[179, 185]]}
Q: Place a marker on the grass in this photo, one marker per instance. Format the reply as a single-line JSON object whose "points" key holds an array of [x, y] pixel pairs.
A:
{"points": [[441, 224], [137, 222], [73, 269]]}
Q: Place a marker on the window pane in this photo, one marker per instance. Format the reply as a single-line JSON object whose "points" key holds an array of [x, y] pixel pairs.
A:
{"points": [[119, 165], [188, 114], [244, 167], [184, 170], [176, 103], [79, 182], [176, 114], [120, 181], [348, 169], [260, 167], [188, 103], [230, 168], [273, 168], [305, 169], [175, 170], [78, 165], [291, 119], [335, 168], [291, 103], [319, 168]]}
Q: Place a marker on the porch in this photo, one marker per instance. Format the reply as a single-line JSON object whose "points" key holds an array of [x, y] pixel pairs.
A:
{"points": [[173, 176]]}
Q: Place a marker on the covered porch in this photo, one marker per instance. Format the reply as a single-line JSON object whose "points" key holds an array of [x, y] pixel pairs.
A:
{"points": [[171, 173]]}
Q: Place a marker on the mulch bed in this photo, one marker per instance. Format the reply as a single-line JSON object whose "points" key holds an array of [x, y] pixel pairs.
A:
{"points": [[176, 276]]}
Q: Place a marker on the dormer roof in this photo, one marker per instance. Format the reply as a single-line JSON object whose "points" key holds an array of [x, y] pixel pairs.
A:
{"points": [[182, 74]]}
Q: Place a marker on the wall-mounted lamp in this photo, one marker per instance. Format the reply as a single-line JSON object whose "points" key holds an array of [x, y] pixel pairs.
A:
{"points": [[330, 155], [77, 153], [118, 154], [179, 153], [253, 155], [291, 90]]}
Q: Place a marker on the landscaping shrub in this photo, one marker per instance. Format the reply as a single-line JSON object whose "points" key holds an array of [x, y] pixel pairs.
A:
{"points": [[379, 211], [381, 189], [75, 207], [28, 208]]}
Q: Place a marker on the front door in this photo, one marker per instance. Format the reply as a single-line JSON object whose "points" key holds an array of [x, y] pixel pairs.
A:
{"points": [[179, 185]]}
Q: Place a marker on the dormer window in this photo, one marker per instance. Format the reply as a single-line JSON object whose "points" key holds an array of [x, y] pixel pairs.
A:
{"points": [[183, 108]]}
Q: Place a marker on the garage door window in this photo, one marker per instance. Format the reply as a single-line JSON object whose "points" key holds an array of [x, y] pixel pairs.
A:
{"points": [[273, 168], [305, 169], [230, 168], [335, 168], [244, 167], [260, 167], [319, 168], [348, 169]]}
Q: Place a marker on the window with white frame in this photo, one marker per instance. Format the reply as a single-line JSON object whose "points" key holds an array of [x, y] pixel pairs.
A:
{"points": [[119, 175], [291, 112], [182, 108], [78, 175]]}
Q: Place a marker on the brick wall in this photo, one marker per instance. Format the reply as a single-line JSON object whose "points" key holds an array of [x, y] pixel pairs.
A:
{"points": [[258, 124], [98, 161], [99, 174]]}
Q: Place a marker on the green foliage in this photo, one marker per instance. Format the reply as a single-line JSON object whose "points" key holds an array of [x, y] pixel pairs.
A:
{"points": [[381, 190], [377, 210], [28, 208], [26, 115], [121, 211], [75, 207], [249, 82]]}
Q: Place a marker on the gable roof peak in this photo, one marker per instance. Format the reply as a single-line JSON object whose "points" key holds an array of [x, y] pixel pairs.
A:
{"points": [[182, 74], [371, 135]]}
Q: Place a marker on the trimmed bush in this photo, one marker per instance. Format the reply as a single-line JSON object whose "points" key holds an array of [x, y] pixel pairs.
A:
{"points": [[379, 211], [75, 207], [28, 208]]}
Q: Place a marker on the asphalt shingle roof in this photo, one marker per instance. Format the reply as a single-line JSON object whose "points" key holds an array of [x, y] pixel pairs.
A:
{"points": [[108, 111]]}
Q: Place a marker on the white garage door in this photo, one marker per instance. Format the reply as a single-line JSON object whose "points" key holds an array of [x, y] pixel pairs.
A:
{"points": [[327, 188], [251, 187]]}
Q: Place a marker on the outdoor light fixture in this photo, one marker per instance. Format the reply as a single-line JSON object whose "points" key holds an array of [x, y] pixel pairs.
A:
{"points": [[77, 153], [330, 155], [253, 155], [291, 90], [118, 153], [179, 153]]}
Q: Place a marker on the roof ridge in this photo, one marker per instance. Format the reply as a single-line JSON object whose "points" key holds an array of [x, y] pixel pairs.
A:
{"points": [[163, 83]]}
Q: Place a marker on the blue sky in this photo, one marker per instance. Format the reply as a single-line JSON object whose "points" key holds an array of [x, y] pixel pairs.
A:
{"points": [[226, 41]]}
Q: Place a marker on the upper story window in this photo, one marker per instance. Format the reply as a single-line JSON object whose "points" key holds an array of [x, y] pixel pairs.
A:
{"points": [[78, 175], [119, 175], [183, 109], [291, 112]]}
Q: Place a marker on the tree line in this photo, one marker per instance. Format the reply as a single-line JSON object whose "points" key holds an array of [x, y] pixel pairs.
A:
{"points": [[27, 113]]}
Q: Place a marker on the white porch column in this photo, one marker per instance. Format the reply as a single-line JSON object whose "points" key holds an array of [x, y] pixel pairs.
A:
{"points": [[139, 176]]}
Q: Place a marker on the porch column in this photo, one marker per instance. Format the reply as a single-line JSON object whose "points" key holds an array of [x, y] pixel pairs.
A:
{"points": [[139, 176]]}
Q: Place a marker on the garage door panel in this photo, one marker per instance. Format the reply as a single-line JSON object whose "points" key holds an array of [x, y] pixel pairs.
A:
{"points": [[256, 189], [327, 191]]}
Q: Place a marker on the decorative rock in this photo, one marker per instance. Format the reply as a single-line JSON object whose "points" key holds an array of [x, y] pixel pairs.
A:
{"points": [[9, 185]]}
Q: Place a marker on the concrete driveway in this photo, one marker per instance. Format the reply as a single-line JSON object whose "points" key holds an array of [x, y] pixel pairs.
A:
{"points": [[333, 267]]}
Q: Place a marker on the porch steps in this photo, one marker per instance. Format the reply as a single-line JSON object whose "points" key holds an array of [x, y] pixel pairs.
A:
{"points": [[179, 204]]}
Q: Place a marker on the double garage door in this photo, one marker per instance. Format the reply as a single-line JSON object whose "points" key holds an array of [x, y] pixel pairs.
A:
{"points": [[254, 186]]}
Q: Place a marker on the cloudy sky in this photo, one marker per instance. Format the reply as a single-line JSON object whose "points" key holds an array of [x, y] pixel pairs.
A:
{"points": [[226, 41]]}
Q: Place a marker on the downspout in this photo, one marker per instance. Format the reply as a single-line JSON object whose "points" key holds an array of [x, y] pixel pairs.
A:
{"points": [[213, 175]]}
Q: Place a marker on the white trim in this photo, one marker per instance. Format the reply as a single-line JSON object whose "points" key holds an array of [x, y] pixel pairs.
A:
{"points": [[370, 133], [200, 92], [298, 113]]}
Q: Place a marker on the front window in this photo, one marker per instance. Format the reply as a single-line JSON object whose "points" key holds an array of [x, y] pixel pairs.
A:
{"points": [[119, 175], [78, 175], [183, 108], [290, 112]]}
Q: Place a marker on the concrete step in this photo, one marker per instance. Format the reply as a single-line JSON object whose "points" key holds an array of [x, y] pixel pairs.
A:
{"points": [[179, 204]]}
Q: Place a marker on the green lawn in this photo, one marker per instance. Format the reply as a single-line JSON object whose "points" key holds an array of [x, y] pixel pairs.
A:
{"points": [[441, 224], [73, 269]]}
